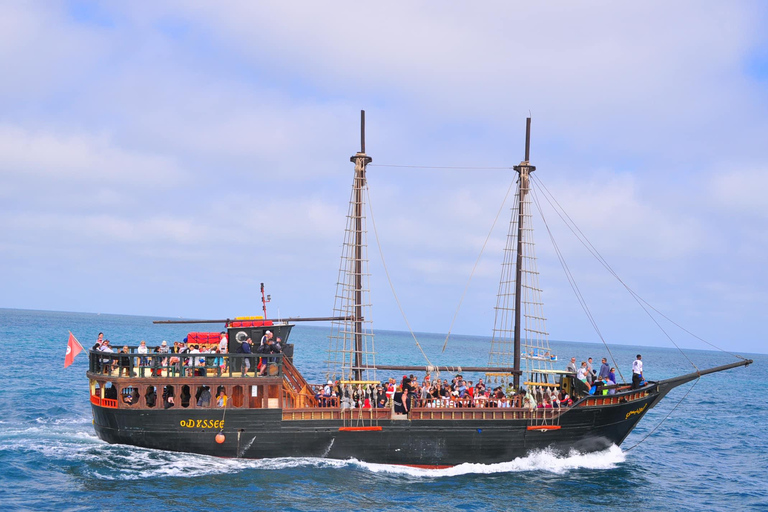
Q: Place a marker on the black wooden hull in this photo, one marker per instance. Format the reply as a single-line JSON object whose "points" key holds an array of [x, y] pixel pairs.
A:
{"points": [[262, 433]]}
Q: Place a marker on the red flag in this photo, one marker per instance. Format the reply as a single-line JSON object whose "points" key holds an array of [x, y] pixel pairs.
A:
{"points": [[73, 348]]}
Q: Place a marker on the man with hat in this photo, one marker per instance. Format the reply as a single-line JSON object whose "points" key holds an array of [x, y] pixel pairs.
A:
{"points": [[381, 397], [267, 336], [327, 395]]}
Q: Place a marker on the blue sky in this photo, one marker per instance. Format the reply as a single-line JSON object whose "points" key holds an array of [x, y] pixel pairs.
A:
{"points": [[165, 158]]}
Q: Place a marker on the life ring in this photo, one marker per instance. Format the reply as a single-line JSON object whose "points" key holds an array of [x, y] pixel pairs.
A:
{"points": [[241, 336]]}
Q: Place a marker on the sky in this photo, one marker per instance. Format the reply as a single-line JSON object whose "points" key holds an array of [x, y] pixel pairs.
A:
{"points": [[164, 158]]}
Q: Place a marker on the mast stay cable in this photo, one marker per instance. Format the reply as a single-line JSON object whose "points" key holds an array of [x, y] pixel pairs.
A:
{"points": [[586, 309], [443, 167], [471, 274], [572, 282], [665, 417], [592, 250], [642, 302]]}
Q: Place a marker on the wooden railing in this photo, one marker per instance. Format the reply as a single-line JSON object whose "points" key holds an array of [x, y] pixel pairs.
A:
{"points": [[169, 365], [613, 399]]}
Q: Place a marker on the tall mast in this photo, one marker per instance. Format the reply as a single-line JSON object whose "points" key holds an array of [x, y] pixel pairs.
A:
{"points": [[351, 351], [361, 160], [524, 169]]}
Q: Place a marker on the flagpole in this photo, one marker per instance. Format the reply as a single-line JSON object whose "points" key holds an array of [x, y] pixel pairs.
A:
{"points": [[78, 343], [72, 351]]}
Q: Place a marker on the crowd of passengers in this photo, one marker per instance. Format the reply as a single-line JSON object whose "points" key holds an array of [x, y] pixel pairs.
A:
{"points": [[410, 393], [184, 358]]}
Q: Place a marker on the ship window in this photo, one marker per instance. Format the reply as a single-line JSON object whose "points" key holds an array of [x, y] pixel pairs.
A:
{"points": [[110, 391], [150, 396], [237, 396], [203, 396], [256, 394], [168, 397], [221, 397], [129, 396], [185, 396]]}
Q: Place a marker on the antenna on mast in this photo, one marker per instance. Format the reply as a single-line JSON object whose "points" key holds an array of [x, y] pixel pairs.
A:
{"points": [[362, 131], [527, 139]]}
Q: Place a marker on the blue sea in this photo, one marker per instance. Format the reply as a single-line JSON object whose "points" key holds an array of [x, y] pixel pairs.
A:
{"points": [[705, 447]]}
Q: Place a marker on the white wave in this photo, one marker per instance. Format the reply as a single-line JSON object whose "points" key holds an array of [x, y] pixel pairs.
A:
{"points": [[544, 460], [139, 463], [63, 421]]}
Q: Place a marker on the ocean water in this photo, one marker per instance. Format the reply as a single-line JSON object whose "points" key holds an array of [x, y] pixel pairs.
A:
{"points": [[705, 447]]}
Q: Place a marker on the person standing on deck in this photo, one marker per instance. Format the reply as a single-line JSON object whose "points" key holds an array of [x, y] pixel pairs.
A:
{"points": [[590, 371], [637, 371], [247, 362], [223, 343], [97, 346], [612, 381], [581, 373], [604, 369], [571, 366], [264, 339], [401, 401], [390, 389]]}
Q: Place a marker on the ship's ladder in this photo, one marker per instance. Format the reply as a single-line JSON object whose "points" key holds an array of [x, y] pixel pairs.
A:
{"points": [[295, 385], [360, 417], [547, 418]]}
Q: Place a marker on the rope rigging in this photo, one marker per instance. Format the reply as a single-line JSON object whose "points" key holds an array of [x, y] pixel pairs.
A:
{"points": [[443, 167], [568, 221], [472, 273], [572, 282], [641, 302], [654, 429], [389, 279]]}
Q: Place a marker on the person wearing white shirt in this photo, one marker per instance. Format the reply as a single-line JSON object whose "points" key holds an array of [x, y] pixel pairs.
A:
{"points": [[581, 373], [637, 371]]}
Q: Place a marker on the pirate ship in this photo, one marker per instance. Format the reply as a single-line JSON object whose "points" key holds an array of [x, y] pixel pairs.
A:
{"points": [[231, 403]]}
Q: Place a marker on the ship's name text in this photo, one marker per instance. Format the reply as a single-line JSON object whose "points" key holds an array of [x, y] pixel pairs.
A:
{"points": [[636, 411], [190, 423]]}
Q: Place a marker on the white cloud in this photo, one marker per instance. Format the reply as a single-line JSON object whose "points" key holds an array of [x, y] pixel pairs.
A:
{"points": [[189, 145], [43, 54], [740, 190], [79, 158]]}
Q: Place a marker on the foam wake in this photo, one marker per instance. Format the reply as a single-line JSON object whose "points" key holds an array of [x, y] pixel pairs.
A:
{"points": [[544, 460], [130, 463]]}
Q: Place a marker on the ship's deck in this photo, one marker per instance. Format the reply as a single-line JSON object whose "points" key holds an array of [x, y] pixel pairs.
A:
{"points": [[199, 381]]}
